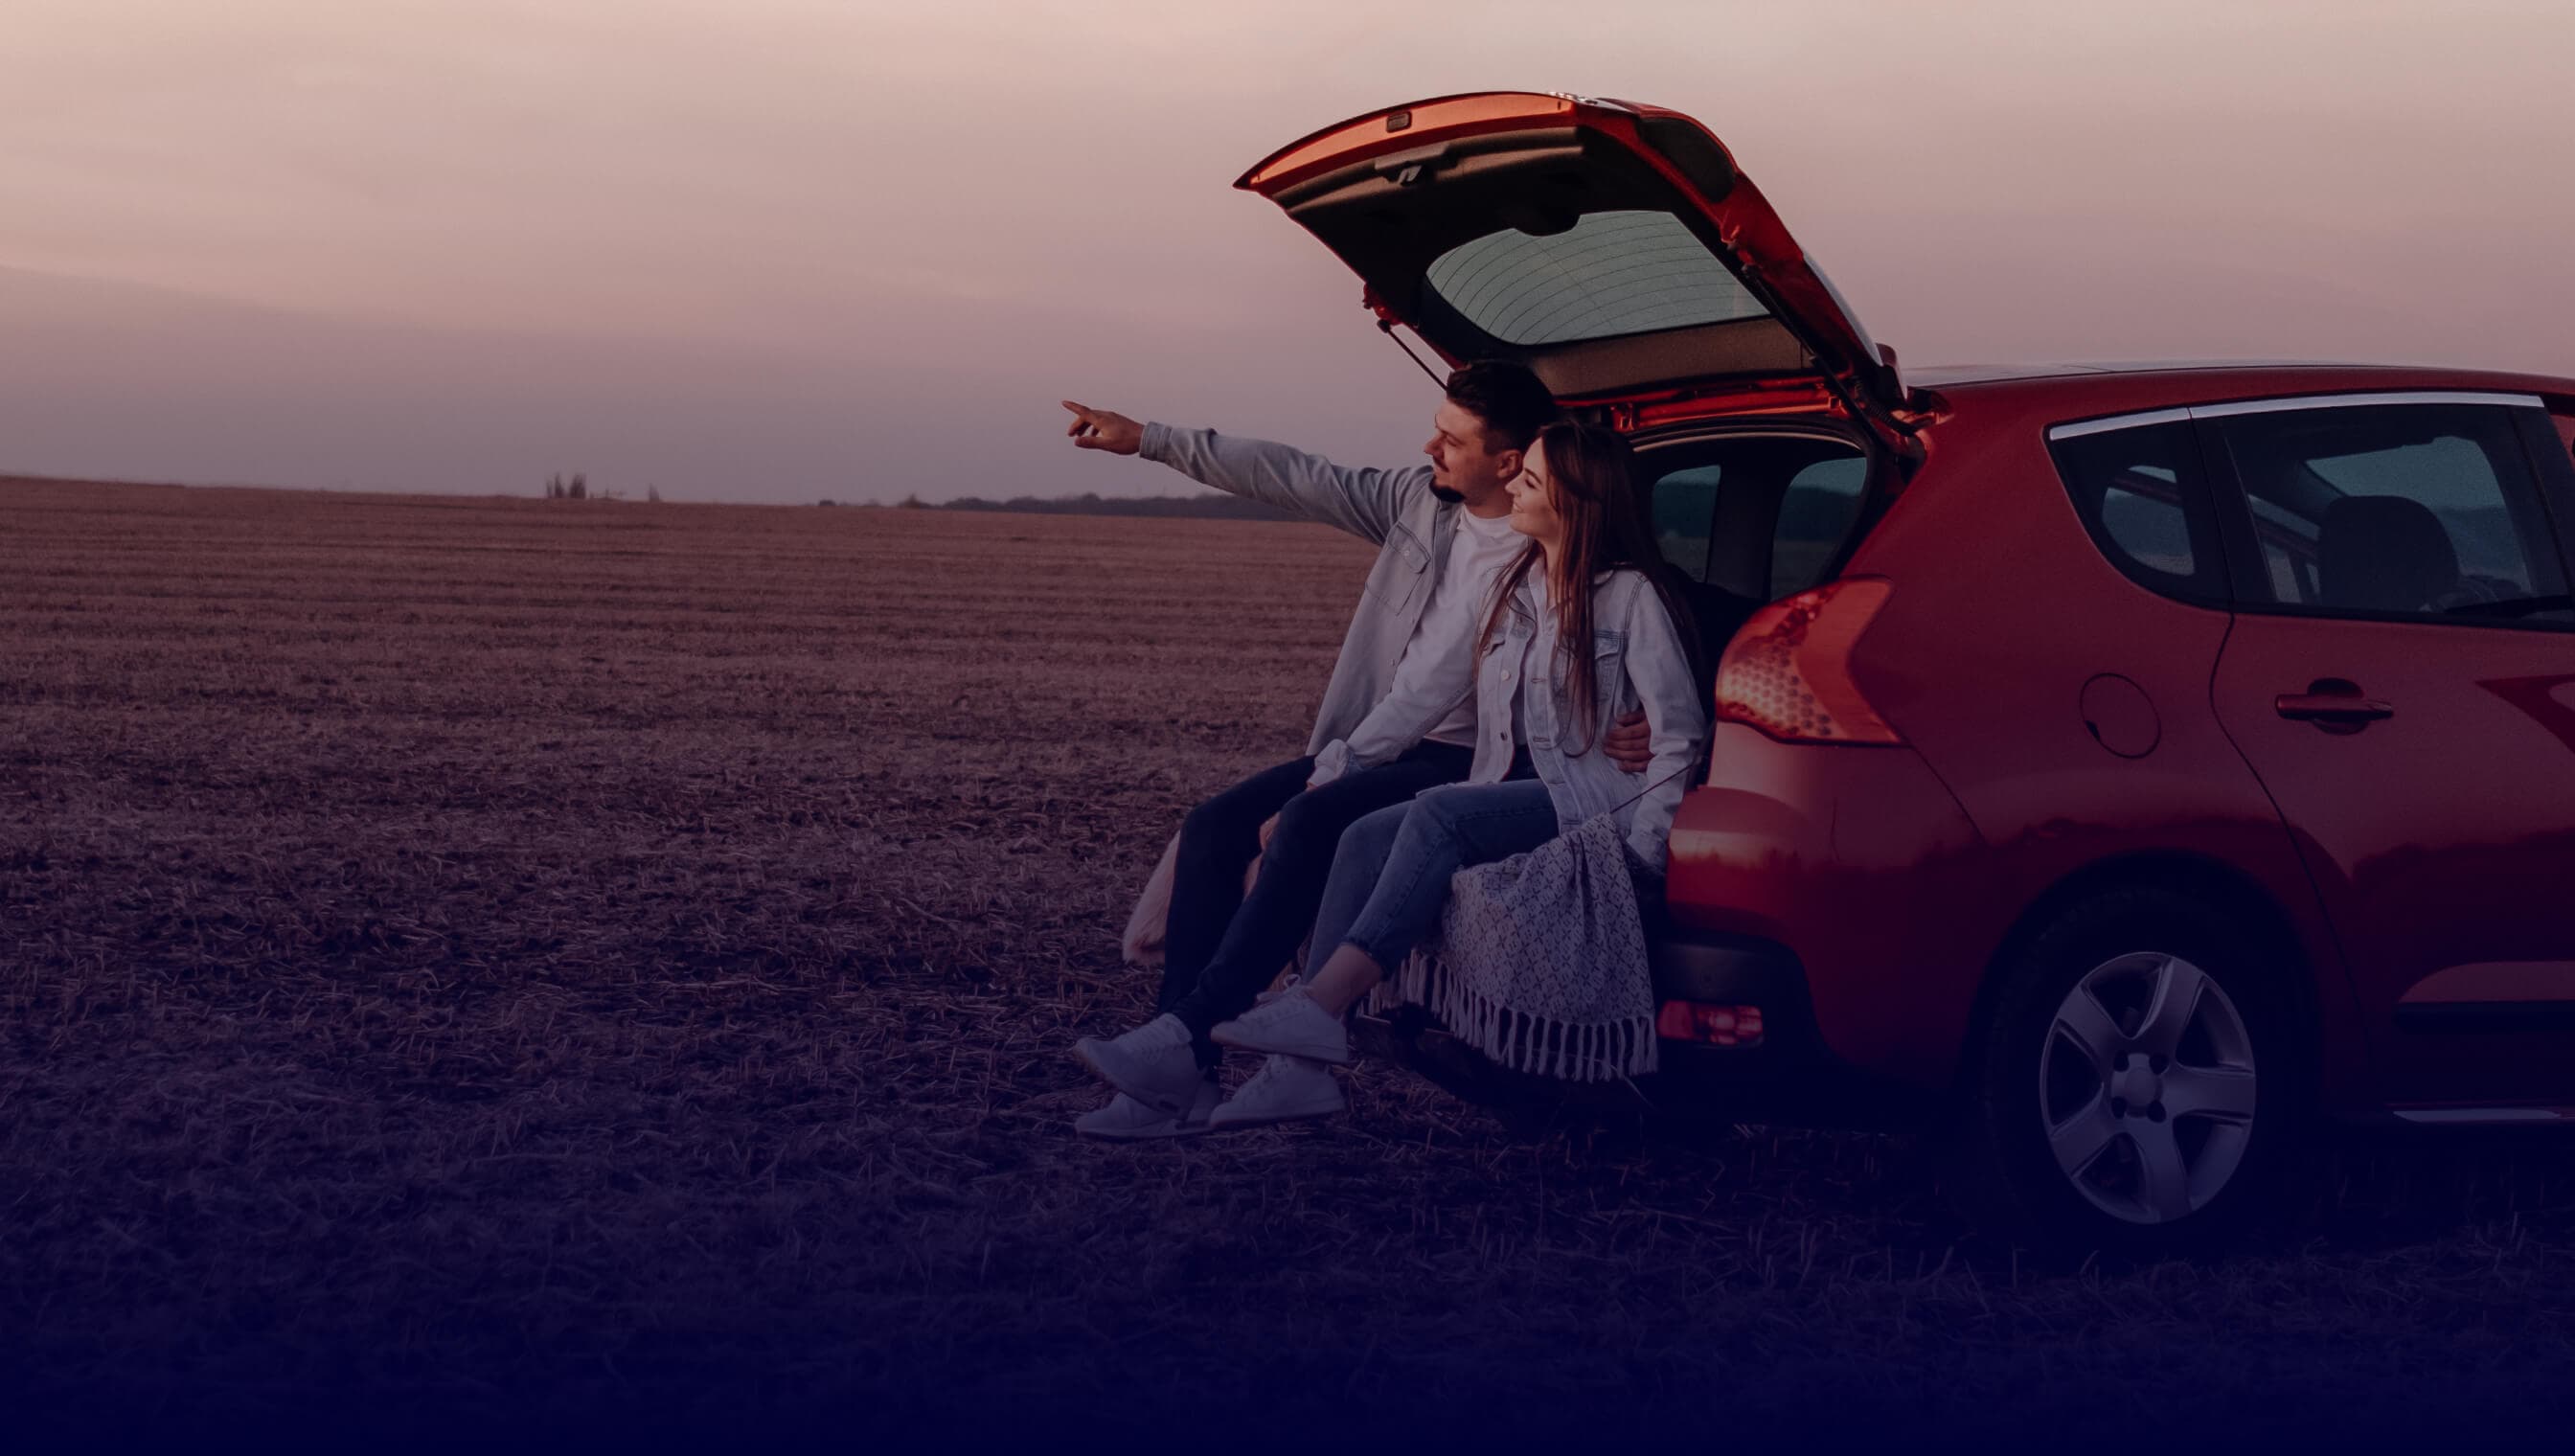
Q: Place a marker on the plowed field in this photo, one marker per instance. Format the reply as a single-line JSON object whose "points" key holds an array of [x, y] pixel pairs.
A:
{"points": [[601, 964]]}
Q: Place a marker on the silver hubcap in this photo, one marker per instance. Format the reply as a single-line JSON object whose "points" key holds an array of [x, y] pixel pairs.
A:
{"points": [[2145, 1087]]}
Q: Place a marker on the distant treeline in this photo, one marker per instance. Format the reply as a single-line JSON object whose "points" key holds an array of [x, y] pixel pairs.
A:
{"points": [[1211, 505]]}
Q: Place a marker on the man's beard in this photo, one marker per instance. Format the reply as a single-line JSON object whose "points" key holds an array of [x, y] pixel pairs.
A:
{"points": [[1442, 492]]}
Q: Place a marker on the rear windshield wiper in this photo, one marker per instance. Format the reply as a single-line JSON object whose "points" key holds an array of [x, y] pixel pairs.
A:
{"points": [[2512, 606]]}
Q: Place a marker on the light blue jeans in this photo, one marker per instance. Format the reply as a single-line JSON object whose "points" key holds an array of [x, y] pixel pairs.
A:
{"points": [[1390, 877]]}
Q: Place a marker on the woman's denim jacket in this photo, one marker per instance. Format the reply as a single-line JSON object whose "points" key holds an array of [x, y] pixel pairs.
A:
{"points": [[1637, 662]]}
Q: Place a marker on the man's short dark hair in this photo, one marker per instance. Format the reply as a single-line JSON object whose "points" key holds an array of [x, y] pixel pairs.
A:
{"points": [[1508, 398]]}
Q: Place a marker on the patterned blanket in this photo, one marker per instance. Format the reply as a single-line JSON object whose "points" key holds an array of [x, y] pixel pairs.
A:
{"points": [[1540, 961]]}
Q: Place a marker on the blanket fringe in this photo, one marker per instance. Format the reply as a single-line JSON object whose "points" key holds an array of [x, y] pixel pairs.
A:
{"points": [[1569, 1051]]}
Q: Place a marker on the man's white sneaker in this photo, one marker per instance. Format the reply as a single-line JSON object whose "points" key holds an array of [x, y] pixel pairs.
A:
{"points": [[1285, 1089], [1292, 1025], [1154, 1064], [1126, 1120]]}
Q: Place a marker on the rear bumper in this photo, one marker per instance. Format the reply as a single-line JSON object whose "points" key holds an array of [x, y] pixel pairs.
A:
{"points": [[1791, 1077], [1864, 862]]}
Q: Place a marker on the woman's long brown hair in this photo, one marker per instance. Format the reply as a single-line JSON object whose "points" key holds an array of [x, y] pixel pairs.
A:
{"points": [[1607, 526]]}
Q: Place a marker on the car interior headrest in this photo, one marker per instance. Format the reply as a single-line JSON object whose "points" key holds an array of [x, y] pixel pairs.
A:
{"points": [[2384, 553]]}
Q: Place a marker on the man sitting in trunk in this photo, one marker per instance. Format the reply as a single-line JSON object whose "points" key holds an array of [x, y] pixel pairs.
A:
{"points": [[1442, 536]]}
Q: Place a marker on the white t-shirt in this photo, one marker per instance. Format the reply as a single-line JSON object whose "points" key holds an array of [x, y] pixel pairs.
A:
{"points": [[1477, 551]]}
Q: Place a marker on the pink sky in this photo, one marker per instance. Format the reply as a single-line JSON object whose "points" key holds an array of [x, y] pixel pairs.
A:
{"points": [[773, 250]]}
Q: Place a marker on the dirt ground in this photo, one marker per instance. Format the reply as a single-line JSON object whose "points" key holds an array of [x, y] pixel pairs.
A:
{"points": [[516, 963]]}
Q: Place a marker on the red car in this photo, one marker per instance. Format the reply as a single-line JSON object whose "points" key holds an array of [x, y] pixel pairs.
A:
{"points": [[2115, 769]]}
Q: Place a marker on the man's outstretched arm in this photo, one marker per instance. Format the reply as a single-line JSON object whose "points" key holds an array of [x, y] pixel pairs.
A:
{"points": [[1364, 503]]}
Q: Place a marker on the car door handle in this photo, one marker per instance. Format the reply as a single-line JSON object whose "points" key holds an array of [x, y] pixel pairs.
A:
{"points": [[2332, 709]]}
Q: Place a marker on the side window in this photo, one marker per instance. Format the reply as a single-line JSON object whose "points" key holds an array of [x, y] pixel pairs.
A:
{"points": [[2144, 499], [1684, 512], [2397, 511], [1753, 517], [1815, 514]]}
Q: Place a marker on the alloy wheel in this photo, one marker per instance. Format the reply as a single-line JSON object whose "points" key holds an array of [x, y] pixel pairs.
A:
{"points": [[2147, 1087]]}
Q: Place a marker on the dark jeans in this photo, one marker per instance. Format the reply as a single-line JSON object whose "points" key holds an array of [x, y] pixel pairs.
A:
{"points": [[1222, 947]]}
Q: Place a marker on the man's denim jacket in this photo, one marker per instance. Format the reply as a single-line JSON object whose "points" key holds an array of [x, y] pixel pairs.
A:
{"points": [[1393, 508]]}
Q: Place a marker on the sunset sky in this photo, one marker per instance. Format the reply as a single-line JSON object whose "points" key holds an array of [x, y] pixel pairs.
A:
{"points": [[775, 250]]}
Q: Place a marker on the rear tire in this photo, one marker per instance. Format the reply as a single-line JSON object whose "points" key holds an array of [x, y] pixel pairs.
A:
{"points": [[2141, 1088]]}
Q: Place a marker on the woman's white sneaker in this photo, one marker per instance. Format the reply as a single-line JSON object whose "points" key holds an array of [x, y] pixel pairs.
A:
{"points": [[1126, 1120], [1155, 1064], [1290, 1024], [1285, 1089]]}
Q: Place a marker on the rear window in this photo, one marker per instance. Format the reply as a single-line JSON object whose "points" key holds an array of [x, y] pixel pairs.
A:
{"points": [[1817, 513], [2144, 501], [1610, 274], [1756, 518], [1685, 510]]}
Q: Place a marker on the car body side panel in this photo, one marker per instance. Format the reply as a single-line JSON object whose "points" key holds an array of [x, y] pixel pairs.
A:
{"points": [[1897, 876], [2443, 838], [2004, 619]]}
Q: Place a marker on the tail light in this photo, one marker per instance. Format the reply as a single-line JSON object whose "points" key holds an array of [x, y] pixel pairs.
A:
{"points": [[1715, 1026], [1787, 673]]}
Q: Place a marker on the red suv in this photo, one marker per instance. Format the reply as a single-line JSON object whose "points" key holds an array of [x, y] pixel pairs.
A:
{"points": [[2112, 768]]}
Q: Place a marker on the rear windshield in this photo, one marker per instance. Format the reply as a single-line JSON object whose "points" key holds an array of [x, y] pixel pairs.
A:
{"points": [[1610, 274]]}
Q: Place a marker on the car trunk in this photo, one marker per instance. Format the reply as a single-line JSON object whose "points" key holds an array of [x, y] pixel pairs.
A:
{"points": [[1619, 253]]}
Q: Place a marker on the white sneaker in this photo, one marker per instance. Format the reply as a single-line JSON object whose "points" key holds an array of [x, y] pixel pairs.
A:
{"points": [[1153, 1064], [1292, 1025], [1126, 1120], [1285, 1089]]}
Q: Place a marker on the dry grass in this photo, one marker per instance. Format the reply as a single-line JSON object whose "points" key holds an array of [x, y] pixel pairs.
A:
{"points": [[500, 961]]}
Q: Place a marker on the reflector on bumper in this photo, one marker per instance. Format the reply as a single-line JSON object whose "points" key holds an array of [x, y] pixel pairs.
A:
{"points": [[1715, 1026]]}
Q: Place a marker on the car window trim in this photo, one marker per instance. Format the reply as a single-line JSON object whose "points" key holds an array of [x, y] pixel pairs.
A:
{"points": [[2141, 419]]}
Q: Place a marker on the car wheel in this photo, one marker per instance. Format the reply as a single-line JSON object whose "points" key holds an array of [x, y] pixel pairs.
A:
{"points": [[2140, 1089]]}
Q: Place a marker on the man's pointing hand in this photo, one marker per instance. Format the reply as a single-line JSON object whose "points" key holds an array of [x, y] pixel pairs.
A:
{"points": [[1104, 430]]}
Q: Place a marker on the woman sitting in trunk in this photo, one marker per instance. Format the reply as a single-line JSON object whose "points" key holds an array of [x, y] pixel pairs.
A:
{"points": [[1586, 624]]}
